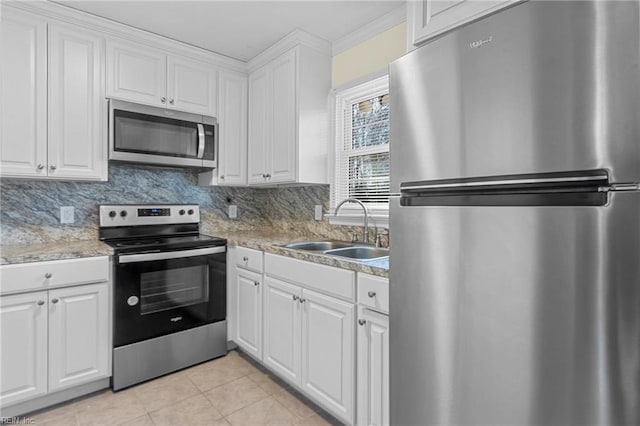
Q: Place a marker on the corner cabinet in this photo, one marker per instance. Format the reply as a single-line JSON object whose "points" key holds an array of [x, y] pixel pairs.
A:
{"points": [[145, 75], [430, 18], [288, 118], [53, 113]]}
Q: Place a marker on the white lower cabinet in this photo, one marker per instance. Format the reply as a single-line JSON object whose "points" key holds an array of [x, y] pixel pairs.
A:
{"points": [[23, 323], [78, 335], [373, 368], [249, 311], [309, 336], [53, 339]]}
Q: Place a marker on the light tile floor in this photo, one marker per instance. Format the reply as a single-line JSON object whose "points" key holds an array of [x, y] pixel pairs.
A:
{"points": [[232, 390]]}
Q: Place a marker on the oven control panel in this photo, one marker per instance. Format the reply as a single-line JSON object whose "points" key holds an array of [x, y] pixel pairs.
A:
{"points": [[130, 214]]}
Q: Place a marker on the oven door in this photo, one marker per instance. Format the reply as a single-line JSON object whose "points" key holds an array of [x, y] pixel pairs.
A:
{"points": [[162, 293]]}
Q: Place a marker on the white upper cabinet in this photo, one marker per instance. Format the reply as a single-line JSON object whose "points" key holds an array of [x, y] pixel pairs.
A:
{"points": [[77, 108], [429, 18], [144, 75], [23, 95], [52, 100], [232, 128], [288, 118]]}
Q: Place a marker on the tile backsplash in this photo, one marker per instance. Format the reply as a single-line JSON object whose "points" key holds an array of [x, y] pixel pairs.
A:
{"points": [[30, 209]]}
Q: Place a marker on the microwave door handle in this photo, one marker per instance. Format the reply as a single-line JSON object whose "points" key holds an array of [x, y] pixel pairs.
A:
{"points": [[200, 140]]}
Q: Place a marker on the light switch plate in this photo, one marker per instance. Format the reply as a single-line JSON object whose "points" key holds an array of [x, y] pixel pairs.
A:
{"points": [[233, 211], [318, 212], [67, 214]]}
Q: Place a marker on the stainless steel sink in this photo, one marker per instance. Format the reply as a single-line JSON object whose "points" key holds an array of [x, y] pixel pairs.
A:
{"points": [[360, 252], [318, 245]]}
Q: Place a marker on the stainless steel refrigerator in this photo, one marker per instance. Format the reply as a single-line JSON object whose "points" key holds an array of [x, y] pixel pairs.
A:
{"points": [[515, 237]]}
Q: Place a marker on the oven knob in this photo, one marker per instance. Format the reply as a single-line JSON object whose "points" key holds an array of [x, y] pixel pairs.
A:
{"points": [[190, 211], [123, 213], [181, 212], [132, 301], [112, 213]]}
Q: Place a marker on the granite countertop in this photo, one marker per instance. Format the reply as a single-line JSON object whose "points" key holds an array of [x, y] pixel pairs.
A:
{"points": [[269, 242], [272, 242], [52, 251]]}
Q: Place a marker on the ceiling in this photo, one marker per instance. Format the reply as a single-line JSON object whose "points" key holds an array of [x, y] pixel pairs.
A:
{"points": [[242, 28]]}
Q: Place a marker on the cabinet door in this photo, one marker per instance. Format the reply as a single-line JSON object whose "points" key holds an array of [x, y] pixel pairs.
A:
{"points": [[136, 73], [282, 154], [77, 148], [249, 312], [429, 18], [259, 126], [232, 128], [191, 86], [373, 368], [23, 348], [282, 328], [78, 335], [23, 95], [328, 353]]}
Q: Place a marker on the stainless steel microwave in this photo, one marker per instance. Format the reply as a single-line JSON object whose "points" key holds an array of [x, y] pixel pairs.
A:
{"points": [[149, 135]]}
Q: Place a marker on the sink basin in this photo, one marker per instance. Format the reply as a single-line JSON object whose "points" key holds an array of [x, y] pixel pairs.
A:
{"points": [[362, 253], [318, 245]]}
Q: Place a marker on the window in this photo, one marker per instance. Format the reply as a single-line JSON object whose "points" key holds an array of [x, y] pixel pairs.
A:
{"points": [[362, 147]]}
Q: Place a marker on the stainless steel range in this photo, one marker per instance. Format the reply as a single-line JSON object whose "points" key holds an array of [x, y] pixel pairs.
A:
{"points": [[169, 290]]}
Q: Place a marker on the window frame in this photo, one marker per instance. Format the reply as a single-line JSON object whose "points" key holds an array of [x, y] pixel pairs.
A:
{"points": [[351, 214]]}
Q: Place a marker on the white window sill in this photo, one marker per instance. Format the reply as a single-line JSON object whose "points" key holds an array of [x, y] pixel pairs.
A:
{"points": [[376, 220]]}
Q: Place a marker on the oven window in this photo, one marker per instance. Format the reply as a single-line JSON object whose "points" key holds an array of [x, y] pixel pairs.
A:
{"points": [[173, 288]]}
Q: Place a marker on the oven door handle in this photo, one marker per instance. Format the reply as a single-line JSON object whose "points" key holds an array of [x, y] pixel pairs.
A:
{"points": [[149, 257]]}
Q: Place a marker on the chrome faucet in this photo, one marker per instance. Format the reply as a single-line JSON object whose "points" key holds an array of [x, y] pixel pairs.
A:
{"points": [[366, 215]]}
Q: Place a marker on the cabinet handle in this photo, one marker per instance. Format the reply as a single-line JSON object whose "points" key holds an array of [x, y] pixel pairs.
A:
{"points": [[268, 176], [222, 177], [371, 294], [40, 302], [171, 101], [163, 99], [362, 322], [245, 258], [48, 275], [295, 297], [53, 167], [256, 283], [55, 300], [302, 300], [40, 166]]}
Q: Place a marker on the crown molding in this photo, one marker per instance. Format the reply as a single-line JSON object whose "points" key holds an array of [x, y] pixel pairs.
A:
{"points": [[373, 28], [294, 38], [109, 28]]}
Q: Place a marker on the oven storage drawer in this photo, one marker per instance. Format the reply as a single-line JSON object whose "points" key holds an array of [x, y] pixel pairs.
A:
{"points": [[249, 259], [44, 275]]}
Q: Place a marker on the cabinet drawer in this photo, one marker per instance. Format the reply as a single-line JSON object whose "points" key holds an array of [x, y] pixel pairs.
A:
{"points": [[249, 259], [43, 275], [373, 292], [325, 279]]}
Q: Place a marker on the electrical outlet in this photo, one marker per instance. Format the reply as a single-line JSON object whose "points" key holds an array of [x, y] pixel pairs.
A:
{"points": [[318, 212], [233, 211], [67, 214]]}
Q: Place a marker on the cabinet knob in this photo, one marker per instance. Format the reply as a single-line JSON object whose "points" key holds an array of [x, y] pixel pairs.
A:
{"points": [[171, 101], [53, 167], [302, 300], [48, 275], [268, 176], [372, 294], [256, 283], [40, 166], [362, 322], [55, 300], [295, 297], [222, 177], [40, 302], [163, 99], [245, 258]]}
